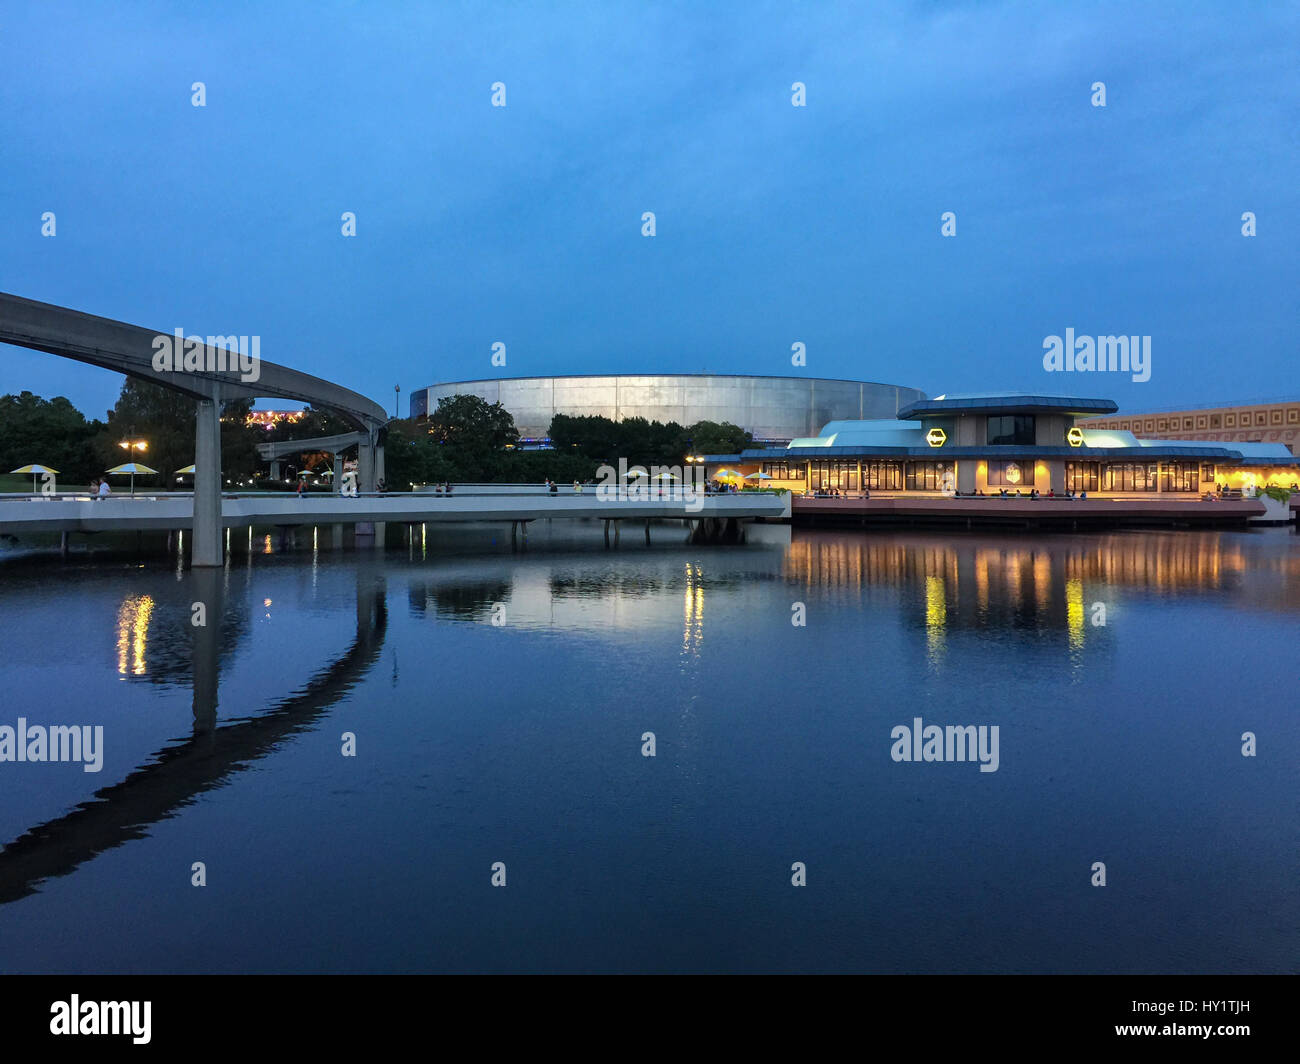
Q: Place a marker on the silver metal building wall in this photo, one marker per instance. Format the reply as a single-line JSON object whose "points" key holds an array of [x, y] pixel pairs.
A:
{"points": [[772, 408]]}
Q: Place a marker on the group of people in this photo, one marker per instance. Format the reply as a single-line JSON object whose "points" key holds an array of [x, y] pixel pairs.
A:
{"points": [[442, 489], [99, 488], [1032, 493]]}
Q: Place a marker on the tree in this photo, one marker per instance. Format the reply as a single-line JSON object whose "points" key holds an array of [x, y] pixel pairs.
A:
{"points": [[713, 437], [50, 432], [472, 422], [165, 420]]}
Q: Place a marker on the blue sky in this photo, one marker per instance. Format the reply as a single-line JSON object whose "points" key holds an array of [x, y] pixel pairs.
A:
{"points": [[775, 224]]}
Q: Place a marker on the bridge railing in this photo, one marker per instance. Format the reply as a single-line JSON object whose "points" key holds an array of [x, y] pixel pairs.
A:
{"points": [[589, 491]]}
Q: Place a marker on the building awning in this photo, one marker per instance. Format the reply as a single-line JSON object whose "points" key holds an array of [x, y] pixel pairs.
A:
{"points": [[1007, 403]]}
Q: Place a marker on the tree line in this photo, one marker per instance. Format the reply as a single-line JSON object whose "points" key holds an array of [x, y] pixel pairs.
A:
{"points": [[466, 439]]}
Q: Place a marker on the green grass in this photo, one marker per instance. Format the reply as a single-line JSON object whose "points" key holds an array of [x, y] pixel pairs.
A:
{"points": [[21, 484]]}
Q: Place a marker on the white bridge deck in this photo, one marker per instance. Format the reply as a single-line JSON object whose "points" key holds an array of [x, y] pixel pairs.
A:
{"points": [[175, 510]]}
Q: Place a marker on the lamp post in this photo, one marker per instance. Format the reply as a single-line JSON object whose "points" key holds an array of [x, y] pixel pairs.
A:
{"points": [[397, 401]]}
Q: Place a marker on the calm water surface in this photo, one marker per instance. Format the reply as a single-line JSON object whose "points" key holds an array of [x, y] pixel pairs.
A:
{"points": [[520, 742]]}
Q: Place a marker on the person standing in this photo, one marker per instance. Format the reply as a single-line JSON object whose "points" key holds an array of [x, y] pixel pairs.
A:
{"points": [[104, 489]]}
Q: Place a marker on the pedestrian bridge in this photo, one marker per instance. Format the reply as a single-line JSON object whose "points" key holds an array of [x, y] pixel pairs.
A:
{"points": [[175, 510]]}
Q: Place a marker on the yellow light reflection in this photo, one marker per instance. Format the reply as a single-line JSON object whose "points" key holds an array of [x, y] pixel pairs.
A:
{"points": [[936, 617], [133, 634], [1074, 612], [693, 610]]}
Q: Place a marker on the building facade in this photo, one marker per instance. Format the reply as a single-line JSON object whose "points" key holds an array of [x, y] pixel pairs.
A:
{"points": [[1012, 443], [1248, 423], [773, 409]]}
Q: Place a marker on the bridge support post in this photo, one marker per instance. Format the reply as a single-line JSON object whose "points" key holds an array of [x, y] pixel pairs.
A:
{"points": [[366, 466], [207, 483], [647, 532], [275, 469]]}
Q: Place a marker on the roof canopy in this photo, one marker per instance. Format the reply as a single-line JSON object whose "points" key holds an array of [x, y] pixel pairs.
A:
{"points": [[1007, 403]]}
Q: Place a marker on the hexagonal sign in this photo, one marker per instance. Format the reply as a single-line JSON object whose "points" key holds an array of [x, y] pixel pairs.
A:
{"points": [[1074, 437], [936, 437]]}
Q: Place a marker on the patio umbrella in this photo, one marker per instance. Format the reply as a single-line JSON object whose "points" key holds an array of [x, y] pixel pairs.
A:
{"points": [[33, 470], [758, 476], [132, 468], [187, 469], [725, 473]]}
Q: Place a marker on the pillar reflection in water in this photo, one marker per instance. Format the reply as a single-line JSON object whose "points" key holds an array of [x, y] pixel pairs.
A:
{"points": [[208, 587], [175, 775]]}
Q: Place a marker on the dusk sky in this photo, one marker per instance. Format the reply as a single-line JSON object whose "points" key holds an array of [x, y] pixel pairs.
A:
{"points": [[774, 223]]}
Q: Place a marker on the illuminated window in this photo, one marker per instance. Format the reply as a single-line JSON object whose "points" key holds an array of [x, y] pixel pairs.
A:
{"points": [[1081, 476], [929, 476], [1011, 475]]}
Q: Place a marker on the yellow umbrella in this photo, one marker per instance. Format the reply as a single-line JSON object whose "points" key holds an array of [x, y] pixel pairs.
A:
{"points": [[187, 469], [33, 470], [132, 468]]}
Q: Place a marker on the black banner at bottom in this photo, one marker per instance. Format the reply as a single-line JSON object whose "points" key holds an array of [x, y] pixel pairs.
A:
{"points": [[341, 1013]]}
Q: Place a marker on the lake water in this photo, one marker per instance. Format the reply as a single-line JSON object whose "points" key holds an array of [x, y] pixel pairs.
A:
{"points": [[499, 700]]}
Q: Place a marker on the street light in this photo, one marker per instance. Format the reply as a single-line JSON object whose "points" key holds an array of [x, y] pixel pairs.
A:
{"points": [[134, 445], [397, 400]]}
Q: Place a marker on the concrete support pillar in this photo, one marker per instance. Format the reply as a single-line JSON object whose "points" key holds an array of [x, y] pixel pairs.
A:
{"points": [[275, 469], [207, 548], [338, 473], [1055, 477], [366, 466], [966, 476]]}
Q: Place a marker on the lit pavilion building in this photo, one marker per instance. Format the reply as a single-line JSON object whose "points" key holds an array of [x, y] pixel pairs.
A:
{"points": [[995, 442]]}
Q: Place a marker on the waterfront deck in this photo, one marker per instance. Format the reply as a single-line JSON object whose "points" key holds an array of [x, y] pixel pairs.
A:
{"points": [[987, 511], [171, 511]]}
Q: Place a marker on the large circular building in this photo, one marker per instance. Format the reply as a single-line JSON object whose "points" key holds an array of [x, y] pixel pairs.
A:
{"points": [[774, 409]]}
